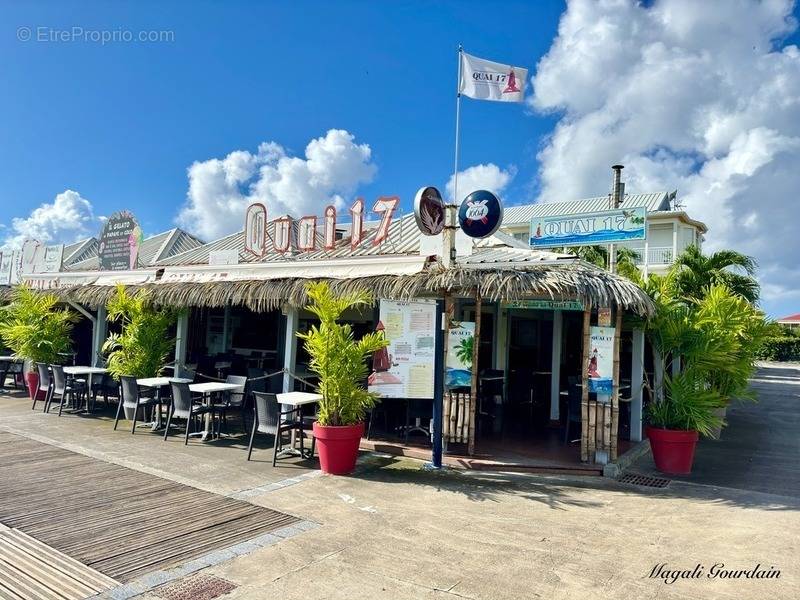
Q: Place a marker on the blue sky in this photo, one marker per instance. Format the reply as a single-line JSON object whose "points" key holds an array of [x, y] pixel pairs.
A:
{"points": [[700, 96], [120, 123]]}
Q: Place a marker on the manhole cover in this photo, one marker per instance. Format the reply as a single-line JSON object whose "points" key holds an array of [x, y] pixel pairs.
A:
{"points": [[196, 587], [644, 480]]}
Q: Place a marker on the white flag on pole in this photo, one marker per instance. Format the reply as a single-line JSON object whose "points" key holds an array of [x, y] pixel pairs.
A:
{"points": [[486, 80]]}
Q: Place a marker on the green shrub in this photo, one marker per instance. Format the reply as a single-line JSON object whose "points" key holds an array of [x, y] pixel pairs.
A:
{"points": [[782, 348]]}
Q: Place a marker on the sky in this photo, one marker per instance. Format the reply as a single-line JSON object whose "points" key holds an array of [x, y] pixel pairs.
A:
{"points": [[300, 104]]}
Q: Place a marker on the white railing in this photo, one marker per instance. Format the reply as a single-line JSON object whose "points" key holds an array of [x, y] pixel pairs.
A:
{"points": [[659, 255]]}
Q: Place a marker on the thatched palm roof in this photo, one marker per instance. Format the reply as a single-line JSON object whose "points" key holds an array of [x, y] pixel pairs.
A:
{"points": [[586, 283]]}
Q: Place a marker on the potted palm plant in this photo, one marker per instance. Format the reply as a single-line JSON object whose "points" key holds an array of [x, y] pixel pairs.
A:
{"points": [[36, 330], [716, 338], [143, 345], [340, 362]]}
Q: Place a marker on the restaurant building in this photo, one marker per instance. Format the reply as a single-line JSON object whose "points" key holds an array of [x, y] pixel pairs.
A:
{"points": [[242, 310]]}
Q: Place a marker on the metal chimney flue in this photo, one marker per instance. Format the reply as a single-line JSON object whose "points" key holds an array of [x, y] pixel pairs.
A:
{"points": [[617, 187], [617, 196]]}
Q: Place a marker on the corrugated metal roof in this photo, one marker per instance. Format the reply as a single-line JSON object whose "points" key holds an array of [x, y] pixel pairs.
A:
{"points": [[514, 215], [160, 245], [80, 250], [513, 255]]}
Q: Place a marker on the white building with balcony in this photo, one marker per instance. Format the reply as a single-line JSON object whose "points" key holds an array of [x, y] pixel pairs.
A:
{"points": [[669, 229]]}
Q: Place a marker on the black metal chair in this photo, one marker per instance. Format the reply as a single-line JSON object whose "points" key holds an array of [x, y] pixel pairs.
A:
{"points": [[184, 407], [105, 385], [68, 389], [45, 384], [573, 406], [16, 370], [269, 418], [132, 399], [234, 400]]}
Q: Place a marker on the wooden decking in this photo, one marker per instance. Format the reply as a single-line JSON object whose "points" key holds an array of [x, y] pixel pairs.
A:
{"points": [[120, 522], [30, 569]]}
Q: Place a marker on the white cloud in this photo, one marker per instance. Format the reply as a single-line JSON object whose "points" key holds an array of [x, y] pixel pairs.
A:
{"points": [[481, 177], [697, 96], [68, 218], [220, 189]]}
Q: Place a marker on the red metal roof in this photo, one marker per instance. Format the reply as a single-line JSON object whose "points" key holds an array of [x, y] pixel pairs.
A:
{"points": [[790, 319]]}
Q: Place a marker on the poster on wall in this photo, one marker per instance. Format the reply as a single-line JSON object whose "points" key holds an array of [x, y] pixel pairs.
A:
{"points": [[404, 369], [460, 344], [6, 260], [601, 360], [120, 242]]}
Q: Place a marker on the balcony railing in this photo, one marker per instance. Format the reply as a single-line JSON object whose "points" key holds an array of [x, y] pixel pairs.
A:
{"points": [[658, 255]]}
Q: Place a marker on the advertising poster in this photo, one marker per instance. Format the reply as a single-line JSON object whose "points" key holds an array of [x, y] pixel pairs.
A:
{"points": [[404, 369], [6, 260], [460, 343], [601, 360], [120, 242]]}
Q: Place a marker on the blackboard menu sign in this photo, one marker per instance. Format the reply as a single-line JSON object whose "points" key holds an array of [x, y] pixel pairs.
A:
{"points": [[120, 242]]}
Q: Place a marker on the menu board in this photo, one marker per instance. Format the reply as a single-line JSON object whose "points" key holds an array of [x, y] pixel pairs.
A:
{"points": [[120, 242], [405, 369], [6, 262]]}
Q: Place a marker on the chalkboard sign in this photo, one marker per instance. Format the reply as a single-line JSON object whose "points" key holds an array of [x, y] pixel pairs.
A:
{"points": [[120, 242]]}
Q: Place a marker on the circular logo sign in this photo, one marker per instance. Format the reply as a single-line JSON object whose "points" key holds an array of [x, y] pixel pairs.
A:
{"points": [[480, 214], [429, 211]]}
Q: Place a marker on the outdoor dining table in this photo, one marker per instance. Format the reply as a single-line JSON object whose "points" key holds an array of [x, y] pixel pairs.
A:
{"points": [[296, 400], [206, 388], [158, 383], [89, 372]]}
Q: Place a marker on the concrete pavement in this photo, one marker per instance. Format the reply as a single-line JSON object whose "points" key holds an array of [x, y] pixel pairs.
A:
{"points": [[395, 530]]}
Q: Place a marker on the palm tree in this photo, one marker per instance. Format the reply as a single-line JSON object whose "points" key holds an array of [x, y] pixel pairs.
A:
{"points": [[695, 273], [598, 255]]}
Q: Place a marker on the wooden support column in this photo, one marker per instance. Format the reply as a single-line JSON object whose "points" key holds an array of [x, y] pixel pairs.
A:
{"points": [[99, 334], [614, 424], [585, 429], [555, 366], [181, 341], [290, 346], [637, 381], [476, 343]]}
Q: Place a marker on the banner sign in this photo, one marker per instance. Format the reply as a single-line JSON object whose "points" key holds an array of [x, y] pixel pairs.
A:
{"points": [[601, 360], [546, 304], [460, 344], [582, 229], [120, 242], [404, 369]]}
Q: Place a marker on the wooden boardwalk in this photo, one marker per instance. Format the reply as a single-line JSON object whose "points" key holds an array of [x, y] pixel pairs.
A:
{"points": [[120, 522]]}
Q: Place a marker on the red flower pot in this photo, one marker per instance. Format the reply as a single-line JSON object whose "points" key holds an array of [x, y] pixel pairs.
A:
{"points": [[338, 447], [673, 449], [32, 381]]}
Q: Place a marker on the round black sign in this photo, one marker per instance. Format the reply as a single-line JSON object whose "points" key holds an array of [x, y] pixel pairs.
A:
{"points": [[480, 214], [429, 211]]}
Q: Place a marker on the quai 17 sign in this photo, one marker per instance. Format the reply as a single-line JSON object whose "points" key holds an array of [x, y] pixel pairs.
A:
{"points": [[257, 239]]}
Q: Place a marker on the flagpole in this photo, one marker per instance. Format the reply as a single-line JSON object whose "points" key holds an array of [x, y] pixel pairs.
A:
{"points": [[458, 124]]}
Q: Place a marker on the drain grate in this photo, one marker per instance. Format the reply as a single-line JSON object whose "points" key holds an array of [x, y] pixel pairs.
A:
{"points": [[644, 480], [196, 587]]}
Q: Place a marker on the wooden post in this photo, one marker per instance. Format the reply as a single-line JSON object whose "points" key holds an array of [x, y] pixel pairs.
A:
{"points": [[587, 318], [476, 345], [615, 394]]}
